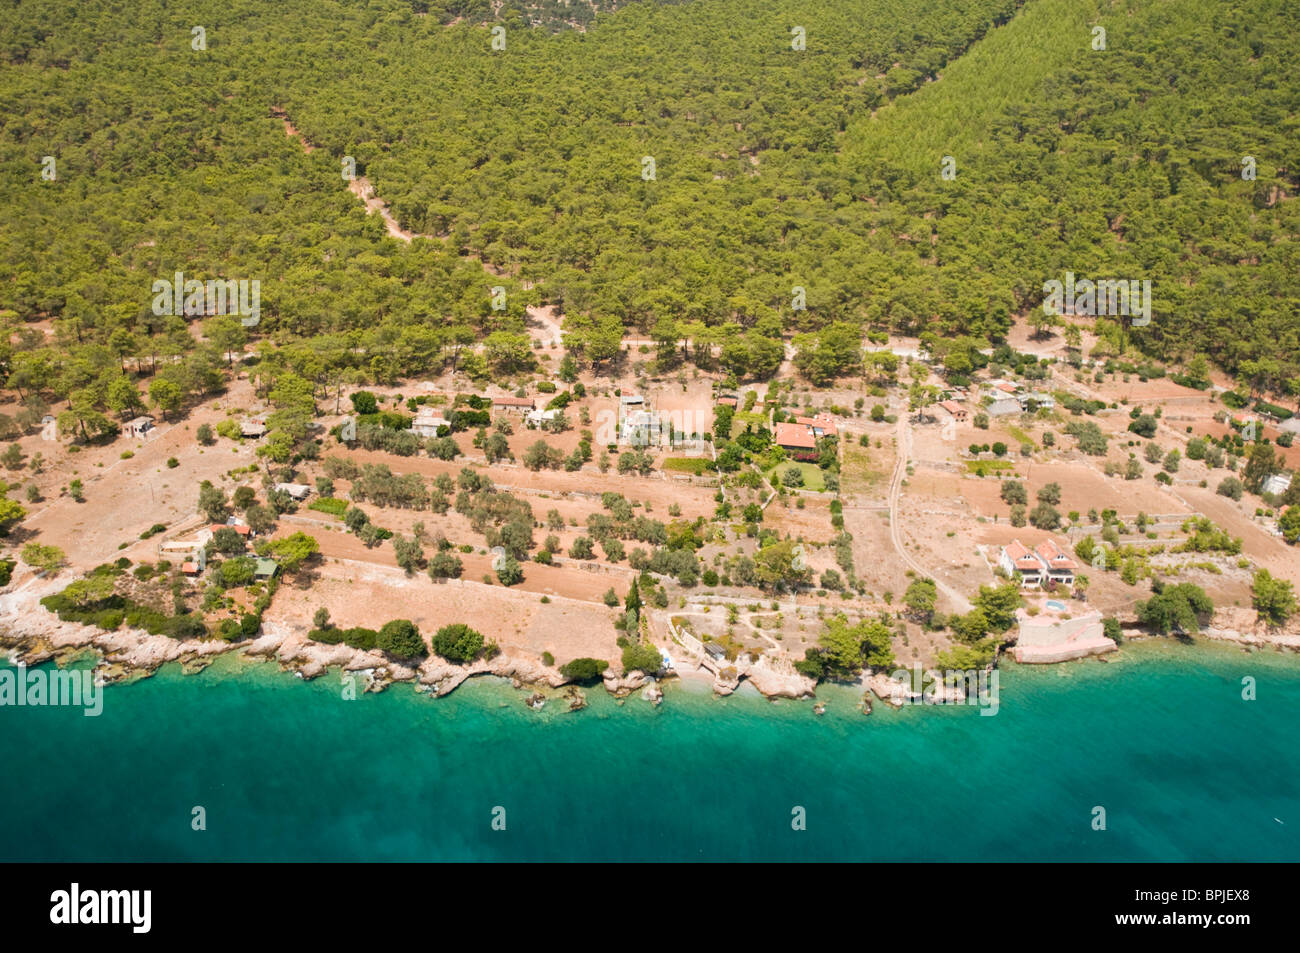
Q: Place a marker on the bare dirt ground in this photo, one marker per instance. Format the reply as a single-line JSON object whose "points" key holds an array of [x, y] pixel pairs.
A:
{"points": [[123, 498], [369, 595]]}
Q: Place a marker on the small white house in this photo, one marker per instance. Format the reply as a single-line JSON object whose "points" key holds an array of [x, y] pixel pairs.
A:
{"points": [[535, 418], [138, 427], [1278, 483], [427, 421], [299, 491]]}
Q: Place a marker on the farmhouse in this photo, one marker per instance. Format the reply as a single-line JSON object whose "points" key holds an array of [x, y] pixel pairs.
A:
{"points": [[535, 418], [138, 427], [514, 405], [641, 428], [954, 409], [727, 400], [821, 425], [795, 437], [427, 421], [1037, 400]]}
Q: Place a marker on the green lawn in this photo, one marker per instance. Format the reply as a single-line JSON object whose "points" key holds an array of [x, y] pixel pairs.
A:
{"points": [[812, 475], [984, 467], [696, 465]]}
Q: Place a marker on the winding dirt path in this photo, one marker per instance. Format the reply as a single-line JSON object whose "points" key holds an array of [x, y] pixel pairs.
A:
{"points": [[359, 186]]}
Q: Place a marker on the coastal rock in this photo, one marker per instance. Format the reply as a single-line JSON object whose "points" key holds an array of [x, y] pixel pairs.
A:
{"points": [[653, 694], [622, 686], [887, 690], [577, 700], [777, 678]]}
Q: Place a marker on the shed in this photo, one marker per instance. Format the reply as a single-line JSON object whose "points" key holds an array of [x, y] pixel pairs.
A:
{"points": [[299, 491], [138, 427]]}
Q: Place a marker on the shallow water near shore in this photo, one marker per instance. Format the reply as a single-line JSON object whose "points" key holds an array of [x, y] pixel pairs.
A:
{"points": [[284, 769]]}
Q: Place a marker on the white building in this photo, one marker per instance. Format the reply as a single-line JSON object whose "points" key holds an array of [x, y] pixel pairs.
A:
{"points": [[1278, 483], [427, 421], [1043, 564], [641, 428], [138, 427], [535, 418], [299, 491], [1054, 634]]}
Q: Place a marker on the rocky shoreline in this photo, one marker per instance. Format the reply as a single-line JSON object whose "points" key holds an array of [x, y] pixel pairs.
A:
{"points": [[32, 635]]}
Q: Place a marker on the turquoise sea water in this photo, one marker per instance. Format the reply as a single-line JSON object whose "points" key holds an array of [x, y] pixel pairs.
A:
{"points": [[288, 770]]}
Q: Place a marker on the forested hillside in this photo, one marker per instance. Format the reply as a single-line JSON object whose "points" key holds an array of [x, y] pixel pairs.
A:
{"points": [[773, 167]]}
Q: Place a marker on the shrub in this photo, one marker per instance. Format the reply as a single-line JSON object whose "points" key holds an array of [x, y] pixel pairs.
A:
{"points": [[458, 643], [510, 573], [1231, 487], [364, 402], [584, 669], [641, 657], [401, 639], [1045, 516]]}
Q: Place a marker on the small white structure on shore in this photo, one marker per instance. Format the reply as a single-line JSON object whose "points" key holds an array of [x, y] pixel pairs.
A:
{"points": [[1054, 634]]}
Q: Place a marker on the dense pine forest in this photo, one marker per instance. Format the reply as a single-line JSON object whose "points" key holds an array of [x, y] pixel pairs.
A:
{"points": [[517, 136]]}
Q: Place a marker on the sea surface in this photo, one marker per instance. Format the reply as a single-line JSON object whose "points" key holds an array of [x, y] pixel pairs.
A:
{"points": [[285, 769]]}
